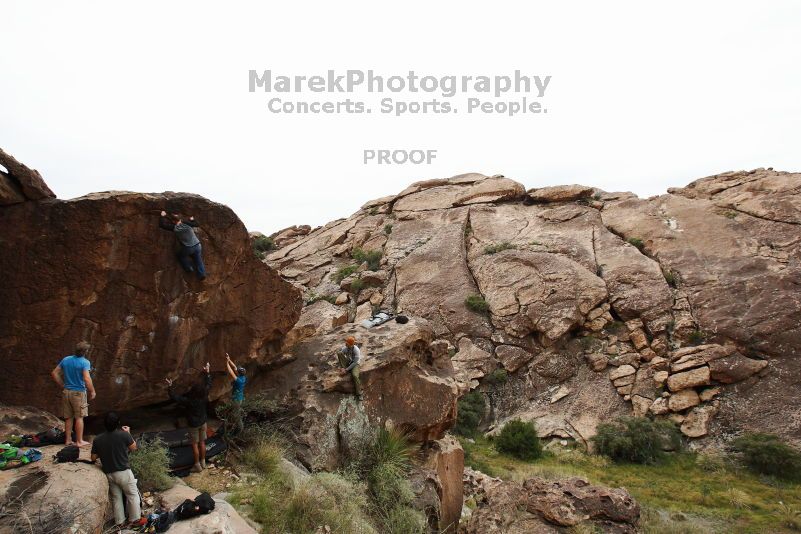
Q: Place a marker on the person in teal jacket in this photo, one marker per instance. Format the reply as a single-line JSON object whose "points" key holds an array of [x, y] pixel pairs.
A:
{"points": [[238, 375]]}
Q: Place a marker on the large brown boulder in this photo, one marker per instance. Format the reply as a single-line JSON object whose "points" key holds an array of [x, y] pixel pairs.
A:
{"points": [[20, 183], [98, 268], [407, 383], [547, 506], [437, 483], [50, 497], [224, 519]]}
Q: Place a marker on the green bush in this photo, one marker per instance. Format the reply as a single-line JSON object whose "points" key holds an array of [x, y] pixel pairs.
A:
{"points": [[637, 440], [520, 440], [314, 297], [497, 378], [327, 499], [344, 272], [372, 257], [243, 421], [767, 454], [494, 249], [391, 448], [403, 520], [637, 242], [262, 244], [697, 337], [387, 229], [264, 456], [469, 414], [356, 286], [383, 464], [670, 277], [477, 304], [150, 464]]}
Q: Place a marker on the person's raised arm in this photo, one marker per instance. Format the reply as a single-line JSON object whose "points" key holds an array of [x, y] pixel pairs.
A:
{"points": [[90, 387], [165, 223], [180, 399], [192, 222], [58, 376], [229, 364], [207, 369]]}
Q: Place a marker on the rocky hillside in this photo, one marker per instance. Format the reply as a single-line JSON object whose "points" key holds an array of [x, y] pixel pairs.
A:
{"points": [[99, 268], [569, 305]]}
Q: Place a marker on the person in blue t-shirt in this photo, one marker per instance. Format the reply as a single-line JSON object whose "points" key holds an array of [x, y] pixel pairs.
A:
{"points": [[72, 374], [238, 374]]}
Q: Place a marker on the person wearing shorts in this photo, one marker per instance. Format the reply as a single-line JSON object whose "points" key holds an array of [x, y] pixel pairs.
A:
{"points": [[72, 375], [194, 404]]}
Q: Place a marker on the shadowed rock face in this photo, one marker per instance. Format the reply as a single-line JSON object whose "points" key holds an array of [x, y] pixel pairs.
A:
{"points": [[99, 268], [579, 283]]}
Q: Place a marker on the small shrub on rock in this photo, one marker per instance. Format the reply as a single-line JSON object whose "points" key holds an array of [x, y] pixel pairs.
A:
{"points": [[520, 440], [344, 272], [767, 454], [499, 247], [265, 455], [697, 337], [637, 440], [261, 245], [637, 242], [497, 378], [150, 464], [469, 414], [356, 286], [477, 304], [327, 499], [372, 257]]}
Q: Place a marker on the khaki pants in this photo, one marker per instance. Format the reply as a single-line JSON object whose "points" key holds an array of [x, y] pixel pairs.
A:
{"points": [[198, 434], [75, 404], [123, 483], [354, 373]]}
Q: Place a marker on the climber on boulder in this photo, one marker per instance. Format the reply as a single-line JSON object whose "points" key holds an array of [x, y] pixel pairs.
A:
{"points": [[194, 405], [349, 357], [191, 251], [72, 375], [239, 378]]}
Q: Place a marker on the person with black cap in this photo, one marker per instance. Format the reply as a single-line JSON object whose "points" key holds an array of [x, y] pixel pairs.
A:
{"points": [[112, 448]]}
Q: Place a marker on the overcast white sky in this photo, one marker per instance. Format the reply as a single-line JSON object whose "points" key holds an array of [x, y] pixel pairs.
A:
{"points": [[153, 96]]}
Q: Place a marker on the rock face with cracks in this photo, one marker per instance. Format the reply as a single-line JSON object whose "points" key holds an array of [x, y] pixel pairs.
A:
{"points": [[568, 285], [98, 268], [546, 506]]}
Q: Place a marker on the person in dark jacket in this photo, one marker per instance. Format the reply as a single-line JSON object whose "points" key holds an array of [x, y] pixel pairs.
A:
{"points": [[190, 249], [194, 405]]}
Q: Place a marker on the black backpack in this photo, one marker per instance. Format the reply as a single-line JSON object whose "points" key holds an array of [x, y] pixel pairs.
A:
{"points": [[205, 503], [202, 504], [70, 453]]}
